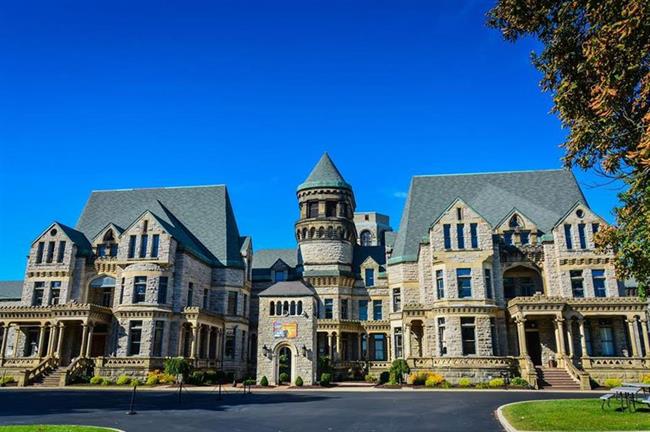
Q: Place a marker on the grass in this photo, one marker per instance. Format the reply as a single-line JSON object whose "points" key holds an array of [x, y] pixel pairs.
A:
{"points": [[51, 428], [575, 415]]}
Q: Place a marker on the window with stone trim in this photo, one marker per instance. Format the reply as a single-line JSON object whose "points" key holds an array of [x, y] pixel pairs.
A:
{"points": [[159, 328], [567, 236], [190, 294], [131, 252], [55, 292], [206, 298], [363, 310], [366, 238], [598, 278], [155, 245], [577, 283], [464, 279], [229, 349], [50, 252], [493, 336], [139, 289], [473, 232], [370, 277], [344, 309], [377, 310], [143, 245], [524, 237], [39, 252], [272, 308], [398, 342], [61, 252], [397, 300], [440, 284], [163, 281], [446, 232], [442, 342], [329, 308], [488, 283], [232, 302], [330, 208], [460, 235], [312, 209], [468, 335], [581, 236], [37, 295], [507, 238], [135, 337]]}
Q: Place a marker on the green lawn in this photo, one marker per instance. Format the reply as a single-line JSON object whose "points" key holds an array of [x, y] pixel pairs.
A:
{"points": [[575, 415], [51, 428]]}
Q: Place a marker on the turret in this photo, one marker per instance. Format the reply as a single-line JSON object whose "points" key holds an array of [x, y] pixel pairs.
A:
{"points": [[325, 231]]}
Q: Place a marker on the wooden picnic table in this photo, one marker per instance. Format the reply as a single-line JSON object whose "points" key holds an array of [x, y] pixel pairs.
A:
{"points": [[627, 396]]}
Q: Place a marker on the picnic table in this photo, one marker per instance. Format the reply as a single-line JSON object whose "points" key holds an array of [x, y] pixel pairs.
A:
{"points": [[626, 396], [644, 387]]}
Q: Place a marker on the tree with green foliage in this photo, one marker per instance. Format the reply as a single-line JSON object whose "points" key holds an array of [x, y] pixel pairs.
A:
{"points": [[595, 61], [398, 369], [177, 366]]}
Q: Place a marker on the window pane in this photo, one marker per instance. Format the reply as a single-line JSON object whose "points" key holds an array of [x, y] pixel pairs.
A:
{"points": [[370, 277], [155, 244], [329, 308], [377, 310], [132, 246], [447, 234], [440, 284], [460, 233], [143, 245], [139, 289], [363, 310], [567, 236], [464, 279], [61, 253], [581, 235]]}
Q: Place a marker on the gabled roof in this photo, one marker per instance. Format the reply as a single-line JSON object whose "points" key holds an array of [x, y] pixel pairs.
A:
{"points": [[389, 238], [324, 174], [361, 254], [265, 258], [11, 290], [288, 289], [543, 196], [200, 218]]}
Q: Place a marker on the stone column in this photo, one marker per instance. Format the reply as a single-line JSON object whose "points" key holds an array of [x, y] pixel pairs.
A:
{"points": [[339, 339], [89, 343], [59, 341], [181, 339], [16, 337], [559, 336], [195, 336], [583, 338], [330, 345], [41, 341], [50, 340], [208, 352], [389, 346], [84, 340], [631, 323], [359, 356], [5, 336], [646, 341], [407, 341], [521, 336], [570, 347]]}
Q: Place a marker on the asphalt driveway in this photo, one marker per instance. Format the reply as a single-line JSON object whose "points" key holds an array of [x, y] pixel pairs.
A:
{"points": [[369, 411]]}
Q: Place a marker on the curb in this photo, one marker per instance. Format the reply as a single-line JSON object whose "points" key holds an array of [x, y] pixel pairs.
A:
{"points": [[505, 424]]}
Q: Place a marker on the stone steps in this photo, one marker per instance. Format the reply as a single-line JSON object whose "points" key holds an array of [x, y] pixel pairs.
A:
{"points": [[556, 379], [51, 378]]}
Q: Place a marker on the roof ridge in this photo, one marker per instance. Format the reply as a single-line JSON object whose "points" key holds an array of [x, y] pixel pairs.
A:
{"points": [[159, 188], [493, 172]]}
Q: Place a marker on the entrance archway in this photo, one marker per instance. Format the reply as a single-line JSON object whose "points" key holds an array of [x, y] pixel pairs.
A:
{"points": [[284, 365]]}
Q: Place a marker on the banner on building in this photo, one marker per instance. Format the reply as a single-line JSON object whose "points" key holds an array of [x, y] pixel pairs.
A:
{"points": [[285, 330]]}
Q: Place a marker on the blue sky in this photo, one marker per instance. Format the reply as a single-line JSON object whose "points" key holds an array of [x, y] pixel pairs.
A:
{"points": [[105, 95]]}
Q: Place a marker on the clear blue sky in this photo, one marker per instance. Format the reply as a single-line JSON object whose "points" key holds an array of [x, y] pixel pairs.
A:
{"points": [[103, 95]]}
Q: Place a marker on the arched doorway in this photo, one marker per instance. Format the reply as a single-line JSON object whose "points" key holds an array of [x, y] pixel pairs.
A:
{"points": [[101, 291], [284, 365], [521, 281]]}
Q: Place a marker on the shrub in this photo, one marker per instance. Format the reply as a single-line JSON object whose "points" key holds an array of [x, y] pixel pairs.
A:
{"points": [[482, 385], [135, 382], [177, 366], [434, 380], [264, 382], [392, 378], [324, 364], [249, 382], [197, 378], [106, 382], [6, 380], [284, 377], [446, 384], [613, 382], [519, 382], [123, 380], [96, 380], [152, 380], [299, 382], [464, 382], [645, 379], [399, 368], [370, 378], [325, 379], [417, 378], [496, 383], [383, 377]]}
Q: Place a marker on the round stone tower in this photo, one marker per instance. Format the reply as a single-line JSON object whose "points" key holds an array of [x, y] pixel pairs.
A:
{"points": [[325, 232]]}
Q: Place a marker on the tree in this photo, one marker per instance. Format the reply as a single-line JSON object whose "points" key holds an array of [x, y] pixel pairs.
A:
{"points": [[595, 61]]}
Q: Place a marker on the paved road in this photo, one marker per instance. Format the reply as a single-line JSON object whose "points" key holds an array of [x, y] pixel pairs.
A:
{"points": [[260, 412]]}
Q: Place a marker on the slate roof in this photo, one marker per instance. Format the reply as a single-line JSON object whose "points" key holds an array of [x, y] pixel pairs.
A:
{"points": [[83, 245], [543, 196], [325, 174], [389, 238], [361, 253], [11, 290], [288, 289], [265, 258], [200, 218]]}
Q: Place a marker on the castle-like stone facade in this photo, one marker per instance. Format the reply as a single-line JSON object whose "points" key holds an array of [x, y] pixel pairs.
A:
{"points": [[487, 273]]}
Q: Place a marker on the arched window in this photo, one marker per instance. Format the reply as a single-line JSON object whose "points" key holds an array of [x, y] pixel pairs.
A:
{"points": [[366, 238], [272, 308], [286, 307], [293, 308], [304, 233], [330, 232], [109, 237], [514, 221], [278, 308], [299, 311], [321, 232], [312, 231]]}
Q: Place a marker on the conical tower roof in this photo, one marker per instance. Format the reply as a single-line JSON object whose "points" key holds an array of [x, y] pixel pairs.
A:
{"points": [[325, 174]]}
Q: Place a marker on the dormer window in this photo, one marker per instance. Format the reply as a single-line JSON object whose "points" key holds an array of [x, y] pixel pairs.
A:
{"points": [[279, 276], [109, 237], [514, 222], [366, 238]]}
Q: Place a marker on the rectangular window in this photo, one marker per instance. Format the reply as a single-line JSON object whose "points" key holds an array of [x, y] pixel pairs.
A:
{"points": [[155, 244], [232, 302], [61, 252], [398, 342], [245, 311], [467, 331], [440, 284], [107, 297], [397, 300], [595, 227], [139, 289], [464, 279], [473, 231], [598, 277], [344, 308], [312, 209], [55, 292], [158, 338], [581, 235], [101, 250], [113, 251], [132, 246], [379, 346], [143, 245], [230, 346], [363, 310], [507, 238], [446, 229], [488, 283], [50, 252], [606, 338], [524, 237], [330, 208], [493, 336], [377, 312], [190, 294], [509, 287], [37, 296], [577, 286], [206, 298], [278, 276], [135, 336], [442, 344], [162, 289], [459, 213], [39, 252], [567, 236], [460, 233], [329, 308], [370, 277], [122, 291]]}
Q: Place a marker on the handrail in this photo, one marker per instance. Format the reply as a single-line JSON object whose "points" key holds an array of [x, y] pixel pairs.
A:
{"points": [[32, 374], [75, 368], [581, 377]]}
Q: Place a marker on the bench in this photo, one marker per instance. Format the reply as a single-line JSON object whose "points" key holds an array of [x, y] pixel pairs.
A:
{"points": [[605, 398]]}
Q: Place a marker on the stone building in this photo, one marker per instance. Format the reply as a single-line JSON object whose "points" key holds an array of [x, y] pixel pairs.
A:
{"points": [[487, 273]]}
